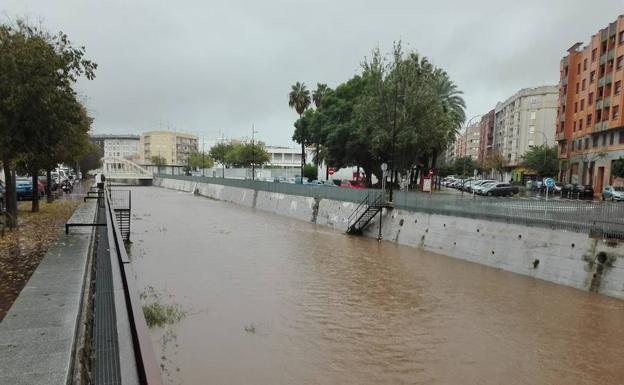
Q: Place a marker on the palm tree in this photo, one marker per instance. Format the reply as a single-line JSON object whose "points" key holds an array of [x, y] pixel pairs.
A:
{"points": [[319, 94], [299, 99]]}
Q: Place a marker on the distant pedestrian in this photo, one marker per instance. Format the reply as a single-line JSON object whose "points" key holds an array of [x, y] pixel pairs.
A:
{"points": [[100, 179]]}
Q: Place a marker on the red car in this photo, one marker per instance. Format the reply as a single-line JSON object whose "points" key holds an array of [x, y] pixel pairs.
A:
{"points": [[351, 184]]}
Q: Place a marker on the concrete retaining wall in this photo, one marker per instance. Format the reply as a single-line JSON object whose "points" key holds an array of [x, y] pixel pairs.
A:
{"points": [[559, 256]]}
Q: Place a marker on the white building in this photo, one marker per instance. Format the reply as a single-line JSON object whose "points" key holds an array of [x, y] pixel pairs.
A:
{"points": [[120, 146], [282, 156]]}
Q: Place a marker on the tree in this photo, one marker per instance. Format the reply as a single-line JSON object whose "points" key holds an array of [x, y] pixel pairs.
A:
{"points": [[310, 171], [543, 160], [497, 162], [219, 152], [199, 159], [37, 100], [299, 99], [617, 170], [244, 154], [91, 159], [158, 161]]}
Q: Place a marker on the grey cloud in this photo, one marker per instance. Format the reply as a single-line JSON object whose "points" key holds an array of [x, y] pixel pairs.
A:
{"points": [[207, 67]]}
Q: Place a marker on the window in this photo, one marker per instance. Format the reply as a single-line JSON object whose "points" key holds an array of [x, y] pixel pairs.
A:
{"points": [[533, 115], [616, 112], [531, 129], [577, 88], [604, 140], [612, 136], [583, 87], [582, 104], [580, 126], [618, 87], [622, 37], [618, 64], [584, 64], [594, 53], [592, 76], [575, 107], [595, 144], [590, 99], [586, 143], [574, 126], [621, 136], [531, 143], [578, 69], [589, 120]]}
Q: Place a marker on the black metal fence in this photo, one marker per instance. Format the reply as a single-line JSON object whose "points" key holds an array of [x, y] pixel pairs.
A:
{"points": [[121, 203], [597, 218]]}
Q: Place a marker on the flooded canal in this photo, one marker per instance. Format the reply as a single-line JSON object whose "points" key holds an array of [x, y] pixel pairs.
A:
{"points": [[269, 300]]}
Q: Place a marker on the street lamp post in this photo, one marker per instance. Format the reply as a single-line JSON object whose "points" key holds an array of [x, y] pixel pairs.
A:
{"points": [[203, 155], [253, 154]]}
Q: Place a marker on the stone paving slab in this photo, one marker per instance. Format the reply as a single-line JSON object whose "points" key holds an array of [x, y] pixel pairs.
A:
{"points": [[37, 336]]}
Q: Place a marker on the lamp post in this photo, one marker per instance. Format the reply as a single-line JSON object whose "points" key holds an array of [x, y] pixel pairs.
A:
{"points": [[253, 154], [203, 156]]}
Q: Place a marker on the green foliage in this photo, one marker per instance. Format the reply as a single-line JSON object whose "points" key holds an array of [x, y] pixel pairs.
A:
{"points": [[310, 171], [405, 110], [158, 314], [543, 160], [299, 98], [463, 166], [42, 123], [246, 154], [158, 160], [91, 159], [198, 159], [219, 152], [617, 169]]}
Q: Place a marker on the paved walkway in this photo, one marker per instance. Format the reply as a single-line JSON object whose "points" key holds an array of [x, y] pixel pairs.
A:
{"points": [[38, 334]]}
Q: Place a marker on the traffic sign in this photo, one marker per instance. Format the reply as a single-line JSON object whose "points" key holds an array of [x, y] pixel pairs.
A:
{"points": [[331, 170], [549, 182]]}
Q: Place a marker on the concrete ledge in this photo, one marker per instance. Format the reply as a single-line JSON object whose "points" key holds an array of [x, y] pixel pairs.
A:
{"points": [[38, 334]]}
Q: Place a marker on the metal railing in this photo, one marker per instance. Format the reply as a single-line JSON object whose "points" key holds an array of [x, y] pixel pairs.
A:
{"points": [[147, 365], [598, 218]]}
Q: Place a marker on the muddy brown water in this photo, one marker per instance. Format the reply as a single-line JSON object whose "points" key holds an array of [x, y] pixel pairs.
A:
{"points": [[271, 300]]}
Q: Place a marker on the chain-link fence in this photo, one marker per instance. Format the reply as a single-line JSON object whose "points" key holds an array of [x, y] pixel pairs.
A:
{"points": [[600, 219]]}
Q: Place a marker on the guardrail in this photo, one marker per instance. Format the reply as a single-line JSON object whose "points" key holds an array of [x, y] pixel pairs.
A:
{"points": [[147, 366], [597, 218]]}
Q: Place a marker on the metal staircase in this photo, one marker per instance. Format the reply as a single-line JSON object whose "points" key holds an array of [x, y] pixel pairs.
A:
{"points": [[364, 213]]}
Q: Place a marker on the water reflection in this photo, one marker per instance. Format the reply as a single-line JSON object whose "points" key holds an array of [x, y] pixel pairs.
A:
{"points": [[287, 302]]}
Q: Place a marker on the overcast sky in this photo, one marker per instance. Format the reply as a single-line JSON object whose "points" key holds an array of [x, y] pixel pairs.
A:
{"points": [[220, 66]]}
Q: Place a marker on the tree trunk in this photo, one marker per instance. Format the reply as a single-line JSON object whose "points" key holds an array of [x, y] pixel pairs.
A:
{"points": [[35, 193], [49, 186], [10, 197]]}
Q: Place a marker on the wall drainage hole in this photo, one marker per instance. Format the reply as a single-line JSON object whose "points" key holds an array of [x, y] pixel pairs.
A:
{"points": [[477, 230], [572, 245], [519, 236], [492, 252], [601, 257], [536, 263], [401, 222]]}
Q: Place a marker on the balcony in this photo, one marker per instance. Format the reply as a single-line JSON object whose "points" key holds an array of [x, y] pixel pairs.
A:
{"points": [[560, 136], [599, 104], [603, 58], [565, 61], [609, 78], [604, 35], [601, 126], [612, 29], [606, 102], [611, 54], [601, 82], [562, 118]]}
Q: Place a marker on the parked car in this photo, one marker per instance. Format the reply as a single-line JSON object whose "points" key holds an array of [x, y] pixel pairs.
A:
{"points": [[478, 189], [24, 189], [577, 191], [500, 189], [475, 184], [613, 193], [44, 180], [351, 184]]}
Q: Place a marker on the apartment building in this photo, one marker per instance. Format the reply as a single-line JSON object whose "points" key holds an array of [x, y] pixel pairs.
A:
{"points": [[457, 149], [590, 131], [472, 137], [174, 147], [486, 142], [526, 119], [119, 146]]}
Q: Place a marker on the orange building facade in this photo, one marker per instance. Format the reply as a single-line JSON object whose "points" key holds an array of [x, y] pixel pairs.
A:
{"points": [[590, 121]]}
